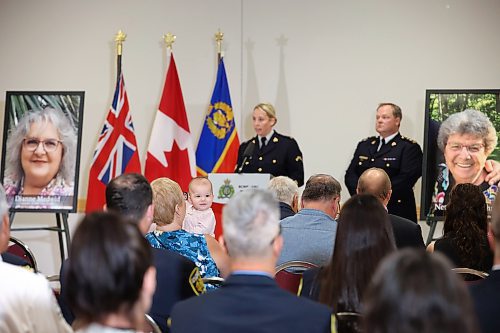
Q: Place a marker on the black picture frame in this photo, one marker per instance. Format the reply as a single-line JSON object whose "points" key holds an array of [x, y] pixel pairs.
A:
{"points": [[450, 101], [61, 193]]}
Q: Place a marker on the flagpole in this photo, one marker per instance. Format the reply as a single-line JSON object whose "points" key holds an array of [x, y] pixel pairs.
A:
{"points": [[219, 36], [119, 39]]}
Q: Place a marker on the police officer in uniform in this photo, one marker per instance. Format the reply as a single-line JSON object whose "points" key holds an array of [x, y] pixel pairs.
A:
{"points": [[269, 151], [398, 156]]}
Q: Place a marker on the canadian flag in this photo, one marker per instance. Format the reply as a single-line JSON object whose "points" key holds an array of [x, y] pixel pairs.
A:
{"points": [[171, 152]]}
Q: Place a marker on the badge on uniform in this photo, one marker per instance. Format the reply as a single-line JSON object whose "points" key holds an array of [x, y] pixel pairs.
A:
{"points": [[196, 282]]}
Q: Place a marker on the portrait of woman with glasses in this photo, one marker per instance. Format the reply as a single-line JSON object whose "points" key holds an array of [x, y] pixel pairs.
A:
{"points": [[466, 139], [40, 161]]}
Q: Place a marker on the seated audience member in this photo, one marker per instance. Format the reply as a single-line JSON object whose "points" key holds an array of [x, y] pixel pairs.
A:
{"points": [[169, 212], [111, 275], [310, 234], [376, 182], [486, 293], [414, 292], [287, 193], [364, 238], [177, 278], [27, 304], [465, 229], [200, 218], [250, 300]]}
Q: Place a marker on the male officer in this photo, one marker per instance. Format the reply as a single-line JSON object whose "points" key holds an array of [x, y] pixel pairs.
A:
{"points": [[398, 156]]}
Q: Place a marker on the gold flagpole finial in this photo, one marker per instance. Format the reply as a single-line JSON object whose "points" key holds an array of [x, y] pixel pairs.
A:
{"points": [[219, 36], [119, 39], [169, 39]]}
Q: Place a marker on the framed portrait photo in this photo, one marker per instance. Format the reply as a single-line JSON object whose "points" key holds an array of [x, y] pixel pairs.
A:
{"points": [[438, 171], [41, 150]]}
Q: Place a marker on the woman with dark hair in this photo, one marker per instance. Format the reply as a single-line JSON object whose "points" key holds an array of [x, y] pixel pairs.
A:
{"points": [[111, 278], [465, 229], [417, 292], [364, 237]]}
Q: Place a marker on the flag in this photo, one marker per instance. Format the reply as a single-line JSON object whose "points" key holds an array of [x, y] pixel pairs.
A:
{"points": [[217, 150], [171, 150], [116, 151]]}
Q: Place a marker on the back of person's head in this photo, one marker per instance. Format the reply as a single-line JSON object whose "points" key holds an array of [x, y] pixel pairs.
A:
{"points": [[129, 195], [364, 237], [376, 182], [466, 222], [321, 187], [167, 194], [4, 221], [284, 188], [109, 258], [251, 223], [414, 291]]}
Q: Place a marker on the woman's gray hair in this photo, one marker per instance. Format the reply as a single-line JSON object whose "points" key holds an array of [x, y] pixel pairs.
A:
{"points": [[470, 122], [67, 135], [251, 222]]}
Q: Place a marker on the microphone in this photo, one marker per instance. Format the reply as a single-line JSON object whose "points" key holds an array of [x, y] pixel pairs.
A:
{"points": [[247, 154]]}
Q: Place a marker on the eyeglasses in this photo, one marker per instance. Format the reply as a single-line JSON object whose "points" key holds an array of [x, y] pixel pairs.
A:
{"points": [[472, 149], [49, 145]]}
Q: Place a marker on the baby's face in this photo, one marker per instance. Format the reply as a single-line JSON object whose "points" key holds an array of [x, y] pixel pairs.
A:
{"points": [[201, 196]]}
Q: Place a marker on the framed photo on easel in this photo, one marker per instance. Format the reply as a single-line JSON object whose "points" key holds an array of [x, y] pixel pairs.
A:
{"points": [[41, 150]]}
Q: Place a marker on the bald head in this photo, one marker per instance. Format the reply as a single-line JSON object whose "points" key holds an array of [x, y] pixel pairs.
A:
{"points": [[376, 182]]}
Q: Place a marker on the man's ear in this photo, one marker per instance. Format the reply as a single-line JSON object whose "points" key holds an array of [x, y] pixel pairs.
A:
{"points": [[104, 207], [222, 243], [295, 202], [389, 195], [4, 233], [278, 245]]}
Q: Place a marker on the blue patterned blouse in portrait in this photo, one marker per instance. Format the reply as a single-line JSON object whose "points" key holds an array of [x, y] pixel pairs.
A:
{"points": [[192, 246]]}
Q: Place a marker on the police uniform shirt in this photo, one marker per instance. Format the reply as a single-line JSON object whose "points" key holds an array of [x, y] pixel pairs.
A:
{"points": [[401, 158], [281, 156]]}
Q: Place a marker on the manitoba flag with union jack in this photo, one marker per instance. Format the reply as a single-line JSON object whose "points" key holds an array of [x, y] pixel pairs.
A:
{"points": [[116, 151]]}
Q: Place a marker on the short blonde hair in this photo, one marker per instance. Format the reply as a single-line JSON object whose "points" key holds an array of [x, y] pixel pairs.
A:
{"points": [[166, 195], [268, 108]]}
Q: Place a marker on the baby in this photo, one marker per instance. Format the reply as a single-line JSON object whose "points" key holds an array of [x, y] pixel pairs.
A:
{"points": [[200, 218]]}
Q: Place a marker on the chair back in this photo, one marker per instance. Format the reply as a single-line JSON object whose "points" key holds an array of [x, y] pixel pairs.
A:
{"points": [[349, 322], [21, 250], [214, 281], [289, 274], [469, 274], [149, 325]]}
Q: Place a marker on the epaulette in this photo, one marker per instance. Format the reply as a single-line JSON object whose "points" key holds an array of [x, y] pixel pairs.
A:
{"points": [[408, 139], [369, 138]]}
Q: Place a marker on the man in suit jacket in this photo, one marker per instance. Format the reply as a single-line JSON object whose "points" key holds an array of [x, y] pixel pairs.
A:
{"points": [[250, 300], [486, 293], [287, 193], [376, 182], [177, 278], [398, 156]]}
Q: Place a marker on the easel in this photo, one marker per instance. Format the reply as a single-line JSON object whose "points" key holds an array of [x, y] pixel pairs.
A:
{"points": [[61, 228]]}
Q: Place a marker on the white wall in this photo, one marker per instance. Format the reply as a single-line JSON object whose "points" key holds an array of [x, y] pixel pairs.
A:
{"points": [[326, 64]]}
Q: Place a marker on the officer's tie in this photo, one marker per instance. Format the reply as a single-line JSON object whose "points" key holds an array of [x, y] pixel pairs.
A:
{"points": [[381, 144], [262, 142]]}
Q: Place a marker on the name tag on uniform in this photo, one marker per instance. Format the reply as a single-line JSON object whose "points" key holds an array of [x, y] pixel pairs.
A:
{"points": [[363, 158]]}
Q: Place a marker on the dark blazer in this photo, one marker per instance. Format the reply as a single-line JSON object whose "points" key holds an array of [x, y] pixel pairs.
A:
{"points": [[14, 260], [177, 278], [250, 303], [485, 295], [281, 156], [406, 232], [285, 210], [401, 158]]}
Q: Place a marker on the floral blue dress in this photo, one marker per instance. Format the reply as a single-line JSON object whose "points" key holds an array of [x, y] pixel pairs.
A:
{"points": [[192, 246]]}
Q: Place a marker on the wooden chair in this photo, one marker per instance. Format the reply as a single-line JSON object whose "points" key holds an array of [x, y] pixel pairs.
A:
{"points": [[289, 274], [349, 322], [469, 274], [21, 250]]}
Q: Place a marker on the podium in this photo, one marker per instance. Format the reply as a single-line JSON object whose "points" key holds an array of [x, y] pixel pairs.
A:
{"points": [[225, 185]]}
